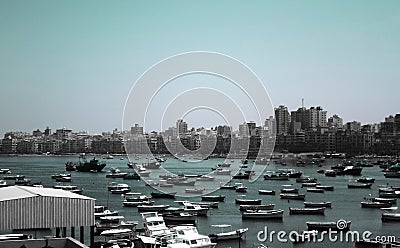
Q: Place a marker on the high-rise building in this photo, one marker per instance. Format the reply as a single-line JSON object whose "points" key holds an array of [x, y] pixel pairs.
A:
{"points": [[354, 126], [137, 130], [282, 118], [335, 122], [182, 127]]}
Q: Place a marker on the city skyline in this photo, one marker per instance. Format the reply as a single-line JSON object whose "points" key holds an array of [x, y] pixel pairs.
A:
{"points": [[235, 128], [72, 64]]}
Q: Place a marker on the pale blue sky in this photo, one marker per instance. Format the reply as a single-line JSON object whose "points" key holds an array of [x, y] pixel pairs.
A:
{"points": [[72, 63]]}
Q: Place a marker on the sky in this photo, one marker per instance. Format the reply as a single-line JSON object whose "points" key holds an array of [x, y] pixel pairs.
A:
{"points": [[73, 63]]}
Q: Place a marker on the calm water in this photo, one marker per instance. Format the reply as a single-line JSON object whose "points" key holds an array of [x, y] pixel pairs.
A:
{"points": [[346, 202]]}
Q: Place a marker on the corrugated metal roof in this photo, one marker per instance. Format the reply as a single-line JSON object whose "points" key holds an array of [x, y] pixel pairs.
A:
{"points": [[19, 192], [24, 207]]}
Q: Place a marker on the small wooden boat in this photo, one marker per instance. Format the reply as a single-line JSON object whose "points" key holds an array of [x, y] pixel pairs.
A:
{"points": [[312, 190], [263, 214], [117, 175], [279, 177], [152, 208], [212, 198], [333, 225], [330, 173], [256, 207], [325, 187], [166, 185], [384, 200], [64, 179], [316, 211], [179, 218], [306, 180], [386, 217], [290, 190], [184, 183], [221, 171], [132, 176], [205, 178], [228, 186], [206, 204], [241, 175], [266, 192], [60, 175], [121, 190], [163, 195], [227, 235], [359, 185], [241, 188], [317, 204], [305, 185], [366, 180], [370, 204], [293, 196], [242, 201]]}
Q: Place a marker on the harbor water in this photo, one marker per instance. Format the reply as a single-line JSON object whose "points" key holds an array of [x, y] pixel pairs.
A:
{"points": [[345, 202]]}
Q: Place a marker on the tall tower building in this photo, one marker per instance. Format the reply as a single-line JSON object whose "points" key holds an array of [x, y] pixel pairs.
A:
{"points": [[282, 118], [181, 127]]}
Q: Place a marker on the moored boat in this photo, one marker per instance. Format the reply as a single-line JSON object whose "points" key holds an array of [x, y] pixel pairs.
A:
{"points": [[242, 201], [227, 235], [371, 204], [266, 192], [170, 195], [293, 196], [386, 217], [316, 211], [317, 204], [315, 190], [257, 207], [152, 208], [359, 185], [219, 198], [340, 225], [263, 214], [91, 165]]}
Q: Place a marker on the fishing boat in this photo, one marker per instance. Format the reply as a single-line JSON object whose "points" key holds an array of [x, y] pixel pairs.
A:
{"points": [[371, 204], [224, 165], [205, 178], [317, 204], [312, 190], [115, 185], [184, 183], [152, 165], [263, 214], [256, 207], [88, 166], [189, 207], [60, 175], [266, 192], [101, 211], [359, 185], [316, 211], [152, 208], [276, 176], [290, 190], [212, 198], [392, 174], [136, 201], [293, 196], [242, 201], [330, 173], [306, 180], [5, 171], [3, 184], [188, 236], [366, 180], [325, 187], [304, 185], [132, 176], [207, 204], [170, 195], [386, 217], [228, 186], [227, 235], [241, 175], [379, 199], [332, 225], [179, 218], [241, 188], [221, 171], [64, 179]]}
